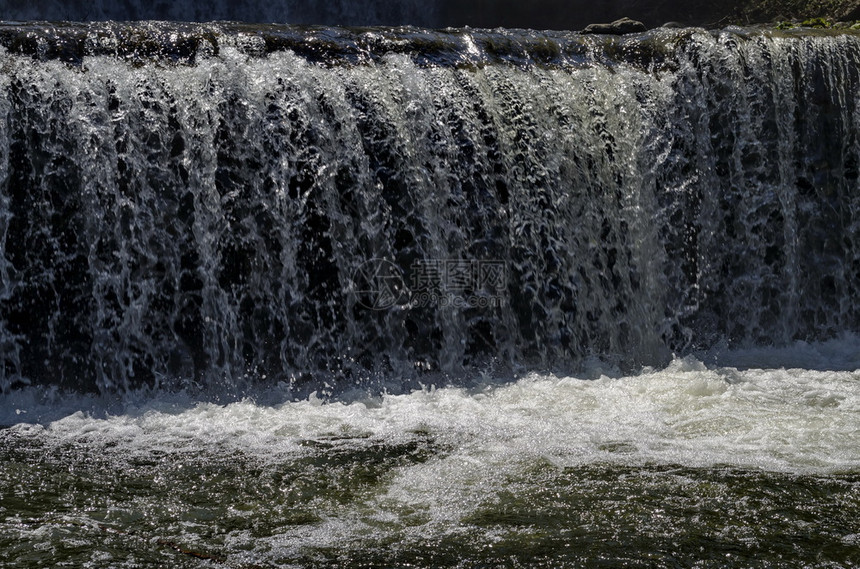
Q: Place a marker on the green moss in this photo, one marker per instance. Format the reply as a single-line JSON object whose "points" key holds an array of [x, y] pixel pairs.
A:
{"points": [[817, 23], [813, 13]]}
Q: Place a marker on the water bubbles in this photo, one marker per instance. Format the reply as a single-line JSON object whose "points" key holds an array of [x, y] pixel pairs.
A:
{"points": [[206, 220]]}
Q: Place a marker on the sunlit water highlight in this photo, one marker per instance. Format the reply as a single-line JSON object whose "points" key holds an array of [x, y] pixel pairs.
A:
{"points": [[701, 462]]}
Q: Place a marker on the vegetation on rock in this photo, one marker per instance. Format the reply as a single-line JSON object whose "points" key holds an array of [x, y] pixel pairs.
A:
{"points": [[800, 13]]}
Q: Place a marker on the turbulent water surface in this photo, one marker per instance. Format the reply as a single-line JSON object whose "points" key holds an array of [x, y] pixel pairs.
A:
{"points": [[692, 465], [278, 296]]}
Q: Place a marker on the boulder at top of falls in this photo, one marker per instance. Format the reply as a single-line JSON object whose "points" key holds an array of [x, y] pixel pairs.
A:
{"points": [[622, 26]]}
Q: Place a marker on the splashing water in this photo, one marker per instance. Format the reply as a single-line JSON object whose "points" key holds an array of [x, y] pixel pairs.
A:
{"points": [[376, 298], [330, 207]]}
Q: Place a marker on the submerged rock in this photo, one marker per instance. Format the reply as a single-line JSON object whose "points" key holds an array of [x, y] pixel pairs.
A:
{"points": [[618, 27]]}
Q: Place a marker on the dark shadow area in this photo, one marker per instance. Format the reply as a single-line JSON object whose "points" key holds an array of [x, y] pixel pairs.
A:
{"points": [[561, 14], [541, 14]]}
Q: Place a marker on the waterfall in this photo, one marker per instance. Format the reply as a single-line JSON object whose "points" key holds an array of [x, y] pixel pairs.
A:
{"points": [[325, 207]]}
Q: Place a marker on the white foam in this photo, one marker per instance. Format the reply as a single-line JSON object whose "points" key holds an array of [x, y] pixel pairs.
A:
{"points": [[502, 437], [795, 420]]}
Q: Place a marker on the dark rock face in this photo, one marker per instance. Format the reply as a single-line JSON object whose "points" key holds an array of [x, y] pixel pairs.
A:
{"points": [[798, 10], [618, 27], [536, 14], [576, 15]]}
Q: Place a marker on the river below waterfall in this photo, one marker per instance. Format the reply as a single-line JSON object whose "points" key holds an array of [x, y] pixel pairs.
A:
{"points": [[694, 465], [279, 296]]}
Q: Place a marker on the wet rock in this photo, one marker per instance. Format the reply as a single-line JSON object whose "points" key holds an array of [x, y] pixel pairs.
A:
{"points": [[618, 27], [850, 11]]}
